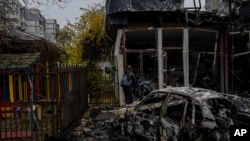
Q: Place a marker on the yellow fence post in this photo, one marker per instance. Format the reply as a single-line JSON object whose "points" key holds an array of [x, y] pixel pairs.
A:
{"points": [[11, 88], [20, 87]]}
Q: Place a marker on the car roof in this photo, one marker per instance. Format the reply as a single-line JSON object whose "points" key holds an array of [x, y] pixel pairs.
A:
{"points": [[192, 92]]}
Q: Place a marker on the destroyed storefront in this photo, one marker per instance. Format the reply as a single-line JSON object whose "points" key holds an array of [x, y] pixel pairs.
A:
{"points": [[143, 55], [171, 44]]}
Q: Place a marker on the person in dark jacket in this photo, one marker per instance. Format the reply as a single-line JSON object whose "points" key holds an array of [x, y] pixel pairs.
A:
{"points": [[129, 90]]}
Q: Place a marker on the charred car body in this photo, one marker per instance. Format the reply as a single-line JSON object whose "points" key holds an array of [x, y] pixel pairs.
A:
{"points": [[184, 113]]}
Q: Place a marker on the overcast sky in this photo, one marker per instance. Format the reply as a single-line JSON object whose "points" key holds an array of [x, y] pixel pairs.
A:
{"points": [[71, 11]]}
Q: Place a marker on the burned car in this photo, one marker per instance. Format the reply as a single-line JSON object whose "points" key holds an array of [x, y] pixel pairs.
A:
{"points": [[182, 113]]}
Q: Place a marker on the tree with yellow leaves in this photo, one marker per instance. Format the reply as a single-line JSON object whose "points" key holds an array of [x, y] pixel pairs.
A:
{"points": [[84, 41]]}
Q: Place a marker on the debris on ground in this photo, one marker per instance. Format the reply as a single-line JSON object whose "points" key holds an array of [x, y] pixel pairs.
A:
{"points": [[99, 126]]}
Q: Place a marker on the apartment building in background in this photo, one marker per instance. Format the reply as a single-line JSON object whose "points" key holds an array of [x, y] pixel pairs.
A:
{"points": [[35, 22], [30, 21], [51, 28]]}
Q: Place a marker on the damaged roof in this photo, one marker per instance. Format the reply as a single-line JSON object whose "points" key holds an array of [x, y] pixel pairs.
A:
{"points": [[115, 6], [215, 15], [13, 61]]}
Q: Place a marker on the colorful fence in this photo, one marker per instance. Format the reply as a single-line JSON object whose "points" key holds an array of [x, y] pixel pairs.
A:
{"points": [[41, 99]]}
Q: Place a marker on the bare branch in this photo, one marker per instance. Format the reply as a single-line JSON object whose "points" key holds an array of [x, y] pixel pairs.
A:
{"points": [[60, 3]]}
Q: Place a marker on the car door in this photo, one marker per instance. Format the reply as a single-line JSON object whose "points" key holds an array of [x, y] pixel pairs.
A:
{"points": [[172, 117], [146, 115]]}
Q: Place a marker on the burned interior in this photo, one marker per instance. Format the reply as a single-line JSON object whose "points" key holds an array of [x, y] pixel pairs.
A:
{"points": [[142, 54], [205, 62], [202, 45]]}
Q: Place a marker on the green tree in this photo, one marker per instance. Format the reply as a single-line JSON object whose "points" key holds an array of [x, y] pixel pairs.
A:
{"points": [[92, 37], [84, 41], [65, 39]]}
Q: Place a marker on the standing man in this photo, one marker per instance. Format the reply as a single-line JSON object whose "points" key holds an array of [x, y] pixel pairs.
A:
{"points": [[131, 88]]}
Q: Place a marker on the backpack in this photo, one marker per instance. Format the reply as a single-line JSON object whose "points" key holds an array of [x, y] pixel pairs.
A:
{"points": [[126, 81], [147, 88]]}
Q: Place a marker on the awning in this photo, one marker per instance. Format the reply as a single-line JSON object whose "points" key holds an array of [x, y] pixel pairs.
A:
{"points": [[116, 6]]}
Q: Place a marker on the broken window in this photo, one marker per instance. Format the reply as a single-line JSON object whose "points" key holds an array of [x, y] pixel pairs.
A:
{"points": [[198, 115], [152, 104], [175, 109], [147, 113]]}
